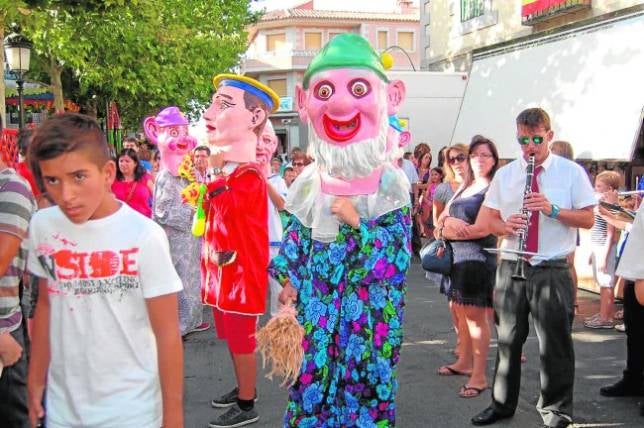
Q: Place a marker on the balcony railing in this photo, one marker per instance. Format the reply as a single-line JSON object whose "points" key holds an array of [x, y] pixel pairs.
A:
{"points": [[286, 59], [305, 52]]}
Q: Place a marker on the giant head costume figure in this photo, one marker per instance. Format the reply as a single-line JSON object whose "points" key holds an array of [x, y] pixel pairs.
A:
{"points": [[347, 99], [237, 115], [169, 131]]}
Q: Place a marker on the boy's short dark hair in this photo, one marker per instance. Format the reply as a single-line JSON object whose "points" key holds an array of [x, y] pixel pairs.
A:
{"points": [[66, 133], [533, 118]]}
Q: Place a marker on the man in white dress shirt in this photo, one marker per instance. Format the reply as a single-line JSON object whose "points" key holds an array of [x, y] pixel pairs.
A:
{"points": [[563, 201]]}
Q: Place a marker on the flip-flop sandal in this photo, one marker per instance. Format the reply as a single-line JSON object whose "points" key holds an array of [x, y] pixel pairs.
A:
{"points": [[448, 371], [463, 393]]}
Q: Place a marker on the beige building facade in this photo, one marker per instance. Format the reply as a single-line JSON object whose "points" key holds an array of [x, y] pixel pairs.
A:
{"points": [[454, 30], [283, 42]]}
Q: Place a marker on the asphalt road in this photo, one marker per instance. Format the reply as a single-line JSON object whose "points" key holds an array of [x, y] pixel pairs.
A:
{"points": [[426, 399]]}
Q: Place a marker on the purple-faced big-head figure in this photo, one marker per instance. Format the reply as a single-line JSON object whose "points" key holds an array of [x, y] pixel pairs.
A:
{"points": [[169, 131]]}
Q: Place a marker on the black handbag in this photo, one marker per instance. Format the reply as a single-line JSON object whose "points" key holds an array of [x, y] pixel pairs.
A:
{"points": [[437, 257]]}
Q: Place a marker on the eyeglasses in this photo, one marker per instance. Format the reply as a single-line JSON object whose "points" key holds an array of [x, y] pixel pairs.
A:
{"points": [[298, 163], [456, 159], [481, 155], [525, 140]]}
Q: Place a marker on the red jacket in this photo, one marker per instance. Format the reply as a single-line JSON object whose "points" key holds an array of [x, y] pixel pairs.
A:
{"points": [[237, 221]]}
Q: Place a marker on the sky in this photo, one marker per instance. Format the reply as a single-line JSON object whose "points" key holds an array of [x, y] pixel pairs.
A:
{"points": [[355, 5]]}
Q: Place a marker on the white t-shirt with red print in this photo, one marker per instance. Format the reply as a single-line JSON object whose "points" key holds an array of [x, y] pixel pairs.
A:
{"points": [[103, 370]]}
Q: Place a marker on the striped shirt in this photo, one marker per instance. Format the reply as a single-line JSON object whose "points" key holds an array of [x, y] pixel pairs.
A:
{"points": [[599, 231], [17, 204]]}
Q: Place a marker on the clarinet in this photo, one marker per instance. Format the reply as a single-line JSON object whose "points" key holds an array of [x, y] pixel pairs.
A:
{"points": [[519, 270]]}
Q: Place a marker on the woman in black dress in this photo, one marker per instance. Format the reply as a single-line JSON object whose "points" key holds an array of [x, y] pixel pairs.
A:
{"points": [[472, 275]]}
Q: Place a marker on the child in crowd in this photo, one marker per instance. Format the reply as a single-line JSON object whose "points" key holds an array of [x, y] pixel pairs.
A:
{"points": [[289, 176], [106, 343], [603, 256], [427, 199]]}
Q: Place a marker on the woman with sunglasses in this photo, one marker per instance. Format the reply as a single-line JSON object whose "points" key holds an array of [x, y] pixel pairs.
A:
{"points": [[455, 171], [472, 276], [299, 162]]}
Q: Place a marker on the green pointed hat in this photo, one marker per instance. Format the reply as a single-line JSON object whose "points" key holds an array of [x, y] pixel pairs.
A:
{"points": [[347, 50]]}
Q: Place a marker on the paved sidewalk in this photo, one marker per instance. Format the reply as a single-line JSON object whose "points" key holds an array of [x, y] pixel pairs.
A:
{"points": [[426, 399]]}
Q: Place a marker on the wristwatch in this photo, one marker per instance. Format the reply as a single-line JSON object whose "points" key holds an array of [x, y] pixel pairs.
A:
{"points": [[217, 171], [554, 211]]}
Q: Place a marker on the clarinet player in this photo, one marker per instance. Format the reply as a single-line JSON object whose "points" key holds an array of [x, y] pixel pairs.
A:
{"points": [[546, 211]]}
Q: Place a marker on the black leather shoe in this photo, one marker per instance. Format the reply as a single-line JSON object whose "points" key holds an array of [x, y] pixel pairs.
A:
{"points": [[622, 388], [488, 416]]}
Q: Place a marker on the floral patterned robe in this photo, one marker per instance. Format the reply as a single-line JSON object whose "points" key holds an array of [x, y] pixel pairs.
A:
{"points": [[350, 303]]}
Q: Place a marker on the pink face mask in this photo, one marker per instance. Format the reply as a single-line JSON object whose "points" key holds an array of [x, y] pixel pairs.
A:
{"points": [[231, 126], [344, 105], [169, 131]]}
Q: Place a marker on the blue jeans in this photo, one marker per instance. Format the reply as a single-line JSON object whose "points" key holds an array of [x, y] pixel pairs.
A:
{"points": [[13, 388]]}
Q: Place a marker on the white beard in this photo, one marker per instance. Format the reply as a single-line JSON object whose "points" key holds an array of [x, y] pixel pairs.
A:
{"points": [[357, 159]]}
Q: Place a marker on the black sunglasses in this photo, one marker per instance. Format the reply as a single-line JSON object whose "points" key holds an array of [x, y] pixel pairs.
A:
{"points": [[456, 159], [525, 140], [298, 163]]}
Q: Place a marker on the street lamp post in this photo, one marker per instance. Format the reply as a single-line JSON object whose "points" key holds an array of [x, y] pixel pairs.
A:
{"points": [[17, 51]]}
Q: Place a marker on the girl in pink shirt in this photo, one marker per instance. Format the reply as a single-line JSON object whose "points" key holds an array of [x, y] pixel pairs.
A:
{"points": [[133, 185]]}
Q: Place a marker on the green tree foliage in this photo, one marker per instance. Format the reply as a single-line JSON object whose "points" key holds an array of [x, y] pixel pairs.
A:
{"points": [[10, 10], [144, 54]]}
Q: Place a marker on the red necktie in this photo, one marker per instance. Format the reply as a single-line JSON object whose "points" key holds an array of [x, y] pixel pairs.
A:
{"points": [[532, 242]]}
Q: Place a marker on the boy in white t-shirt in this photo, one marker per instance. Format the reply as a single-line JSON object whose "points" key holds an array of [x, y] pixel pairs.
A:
{"points": [[106, 342]]}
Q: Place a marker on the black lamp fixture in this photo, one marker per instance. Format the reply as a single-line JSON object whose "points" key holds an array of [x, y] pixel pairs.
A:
{"points": [[17, 51]]}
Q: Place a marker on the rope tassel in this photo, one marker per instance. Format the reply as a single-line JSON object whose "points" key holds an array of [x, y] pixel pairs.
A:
{"points": [[280, 344]]}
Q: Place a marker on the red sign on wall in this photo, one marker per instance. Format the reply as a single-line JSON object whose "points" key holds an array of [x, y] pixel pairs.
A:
{"points": [[533, 11]]}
